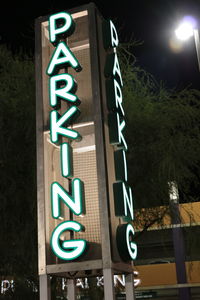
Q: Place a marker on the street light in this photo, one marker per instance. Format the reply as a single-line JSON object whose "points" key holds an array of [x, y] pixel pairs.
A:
{"points": [[187, 29], [184, 31]]}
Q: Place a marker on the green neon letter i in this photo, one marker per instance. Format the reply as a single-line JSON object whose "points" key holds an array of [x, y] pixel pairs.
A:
{"points": [[66, 160]]}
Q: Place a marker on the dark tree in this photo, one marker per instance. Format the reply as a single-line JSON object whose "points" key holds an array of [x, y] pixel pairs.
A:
{"points": [[18, 246], [163, 133]]}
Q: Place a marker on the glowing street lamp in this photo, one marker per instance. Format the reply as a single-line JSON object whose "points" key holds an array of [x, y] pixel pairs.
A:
{"points": [[184, 31], [187, 29]]}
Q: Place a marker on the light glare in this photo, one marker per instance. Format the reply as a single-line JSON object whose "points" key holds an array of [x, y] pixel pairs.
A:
{"points": [[184, 31]]}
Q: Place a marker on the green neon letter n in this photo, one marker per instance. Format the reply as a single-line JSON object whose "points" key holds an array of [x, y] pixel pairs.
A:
{"points": [[74, 202]]}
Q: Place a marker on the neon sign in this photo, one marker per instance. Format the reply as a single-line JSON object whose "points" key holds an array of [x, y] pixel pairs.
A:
{"points": [[62, 87], [122, 192]]}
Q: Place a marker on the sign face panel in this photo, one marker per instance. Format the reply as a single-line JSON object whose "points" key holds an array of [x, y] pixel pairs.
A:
{"points": [[122, 194], [70, 196], [85, 206]]}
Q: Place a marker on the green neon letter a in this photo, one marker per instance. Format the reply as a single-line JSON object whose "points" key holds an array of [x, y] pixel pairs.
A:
{"points": [[62, 56]]}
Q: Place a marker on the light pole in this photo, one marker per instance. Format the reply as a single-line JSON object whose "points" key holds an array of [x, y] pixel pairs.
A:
{"points": [[197, 44], [178, 242], [187, 29]]}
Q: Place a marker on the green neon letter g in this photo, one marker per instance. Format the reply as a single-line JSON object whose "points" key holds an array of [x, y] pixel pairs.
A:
{"points": [[69, 249]]}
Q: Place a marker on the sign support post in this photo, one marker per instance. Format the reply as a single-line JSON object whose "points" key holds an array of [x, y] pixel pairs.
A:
{"points": [[129, 287], [71, 289], [108, 284], [45, 287]]}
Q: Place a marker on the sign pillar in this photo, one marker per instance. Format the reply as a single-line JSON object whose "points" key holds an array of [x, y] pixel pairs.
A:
{"points": [[45, 287], [108, 284], [71, 289], [129, 287]]}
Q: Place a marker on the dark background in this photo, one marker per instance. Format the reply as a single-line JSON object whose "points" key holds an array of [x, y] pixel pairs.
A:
{"points": [[151, 22]]}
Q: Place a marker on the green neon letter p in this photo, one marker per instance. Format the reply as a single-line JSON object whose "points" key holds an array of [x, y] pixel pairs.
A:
{"points": [[60, 24]]}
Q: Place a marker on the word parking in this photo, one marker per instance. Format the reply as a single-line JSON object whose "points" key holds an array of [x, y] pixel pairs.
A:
{"points": [[62, 88], [122, 192]]}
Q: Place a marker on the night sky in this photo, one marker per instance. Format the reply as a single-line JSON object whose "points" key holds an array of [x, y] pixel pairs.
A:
{"points": [[151, 22]]}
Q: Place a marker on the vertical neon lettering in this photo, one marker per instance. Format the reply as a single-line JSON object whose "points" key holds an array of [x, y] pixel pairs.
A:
{"points": [[62, 87]]}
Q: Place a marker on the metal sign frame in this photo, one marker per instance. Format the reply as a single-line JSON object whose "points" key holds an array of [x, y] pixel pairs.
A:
{"points": [[106, 266]]}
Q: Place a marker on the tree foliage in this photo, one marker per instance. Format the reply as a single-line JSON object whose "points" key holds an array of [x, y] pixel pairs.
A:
{"points": [[163, 136], [17, 165]]}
